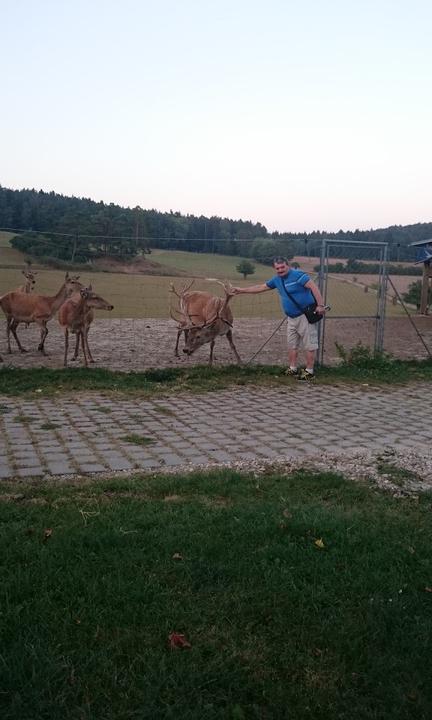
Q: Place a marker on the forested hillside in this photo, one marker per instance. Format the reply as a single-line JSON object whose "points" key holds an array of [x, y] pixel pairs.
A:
{"points": [[78, 229]]}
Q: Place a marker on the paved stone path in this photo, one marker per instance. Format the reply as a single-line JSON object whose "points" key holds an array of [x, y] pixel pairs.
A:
{"points": [[93, 433]]}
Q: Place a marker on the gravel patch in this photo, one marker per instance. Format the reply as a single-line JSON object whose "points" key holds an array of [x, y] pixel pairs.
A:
{"points": [[400, 474], [140, 344]]}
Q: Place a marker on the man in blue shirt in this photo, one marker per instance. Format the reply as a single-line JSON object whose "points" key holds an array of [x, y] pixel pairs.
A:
{"points": [[299, 331]]}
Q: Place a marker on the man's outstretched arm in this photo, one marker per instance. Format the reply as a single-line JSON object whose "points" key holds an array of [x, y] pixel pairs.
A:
{"points": [[251, 289]]}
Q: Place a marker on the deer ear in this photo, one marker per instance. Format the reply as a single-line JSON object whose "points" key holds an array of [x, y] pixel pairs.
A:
{"points": [[67, 275], [23, 272]]}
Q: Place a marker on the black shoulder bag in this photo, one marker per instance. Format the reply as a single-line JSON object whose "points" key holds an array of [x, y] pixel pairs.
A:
{"points": [[309, 311]]}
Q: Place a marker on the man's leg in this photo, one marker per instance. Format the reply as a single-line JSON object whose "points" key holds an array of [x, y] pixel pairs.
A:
{"points": [[292, 359], [309, 337], [292, 343], [310, 360]]}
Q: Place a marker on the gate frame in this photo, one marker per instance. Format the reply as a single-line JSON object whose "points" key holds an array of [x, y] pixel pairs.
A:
{"points": [[379, 317]]}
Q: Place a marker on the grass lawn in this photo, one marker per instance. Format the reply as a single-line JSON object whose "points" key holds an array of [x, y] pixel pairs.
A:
{"points": [[361, 368], [301, 596]]}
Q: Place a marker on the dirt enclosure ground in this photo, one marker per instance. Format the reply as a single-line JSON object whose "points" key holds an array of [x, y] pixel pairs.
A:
{"points": [[133, 345]]}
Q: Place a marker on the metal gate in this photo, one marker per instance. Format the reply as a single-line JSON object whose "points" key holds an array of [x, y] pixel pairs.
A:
{"points": [[381, 251]]}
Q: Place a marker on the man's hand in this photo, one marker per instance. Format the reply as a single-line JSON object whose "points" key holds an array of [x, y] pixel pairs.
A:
{"points": [[235, 290], [320, 309]]}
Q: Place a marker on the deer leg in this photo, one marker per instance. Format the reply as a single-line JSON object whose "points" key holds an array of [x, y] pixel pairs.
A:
{"points": [[12, 326], [8, 331], [83, 345], [44, 333], [66, 339], [90, 356], [232, 346], [77, 339], [212, 344], [176, 352]]}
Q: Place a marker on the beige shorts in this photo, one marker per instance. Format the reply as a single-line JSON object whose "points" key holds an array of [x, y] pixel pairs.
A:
{"points": [[301, 332]]}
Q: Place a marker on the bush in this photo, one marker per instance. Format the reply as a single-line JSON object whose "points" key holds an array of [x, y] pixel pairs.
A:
{"points": [[364, 357], [58, 264], [413, 294], [358, 267]]}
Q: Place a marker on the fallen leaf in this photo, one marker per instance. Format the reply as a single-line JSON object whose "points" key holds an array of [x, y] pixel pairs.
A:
{"points": [[177, 556], [319, 543], [428, 589], [287, 514], [47, 534], [178, 640]]}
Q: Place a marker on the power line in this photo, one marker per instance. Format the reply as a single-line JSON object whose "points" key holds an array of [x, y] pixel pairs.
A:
{"points": [[147, 237]]}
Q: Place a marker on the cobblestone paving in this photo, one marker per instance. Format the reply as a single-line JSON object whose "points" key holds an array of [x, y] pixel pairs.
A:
{"points": [[96, 434]]}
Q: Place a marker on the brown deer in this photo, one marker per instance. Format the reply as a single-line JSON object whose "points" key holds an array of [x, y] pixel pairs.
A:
{"points": [[28, 287], [30, 307], [76, 315], [30, 276], [202, 318]]}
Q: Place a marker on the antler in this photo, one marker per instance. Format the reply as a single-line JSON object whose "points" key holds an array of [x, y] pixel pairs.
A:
{"points": [[173, 310], [222, 302], [228, 295], [225, 284], [183, 291]]}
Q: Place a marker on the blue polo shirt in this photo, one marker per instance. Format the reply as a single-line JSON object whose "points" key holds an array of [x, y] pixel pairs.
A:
{"points": [[294, 281]]}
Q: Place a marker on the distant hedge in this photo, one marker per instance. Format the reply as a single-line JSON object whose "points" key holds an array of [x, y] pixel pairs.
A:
{"points": [[360, 268]]}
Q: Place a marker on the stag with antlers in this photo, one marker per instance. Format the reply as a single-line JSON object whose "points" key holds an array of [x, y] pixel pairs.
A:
{"points": [[202, 317]]}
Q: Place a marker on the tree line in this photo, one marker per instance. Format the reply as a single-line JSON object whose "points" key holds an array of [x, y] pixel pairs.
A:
{"points": [[77, 229]]}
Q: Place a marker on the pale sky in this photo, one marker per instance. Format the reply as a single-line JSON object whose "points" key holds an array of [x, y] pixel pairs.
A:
{"points": [[301, 115]]}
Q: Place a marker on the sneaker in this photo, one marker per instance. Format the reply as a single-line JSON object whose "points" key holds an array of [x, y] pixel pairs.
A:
{"points": [[306, 376], [291, 373]]}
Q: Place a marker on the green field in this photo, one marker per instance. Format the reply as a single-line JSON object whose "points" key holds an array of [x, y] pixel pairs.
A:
{"points": [[5, 238], [8, 254], [207, 264], [136, 296]]}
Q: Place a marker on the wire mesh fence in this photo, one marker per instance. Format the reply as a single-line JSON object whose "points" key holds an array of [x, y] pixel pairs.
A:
{"points": [[139, 333]]}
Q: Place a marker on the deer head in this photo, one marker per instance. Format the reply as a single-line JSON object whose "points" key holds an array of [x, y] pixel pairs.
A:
{"points": [[71, 284], [93, 300], [30, 279]]}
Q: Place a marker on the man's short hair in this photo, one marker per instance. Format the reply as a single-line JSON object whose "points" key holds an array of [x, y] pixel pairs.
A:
{"points": [[279, 259]]}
